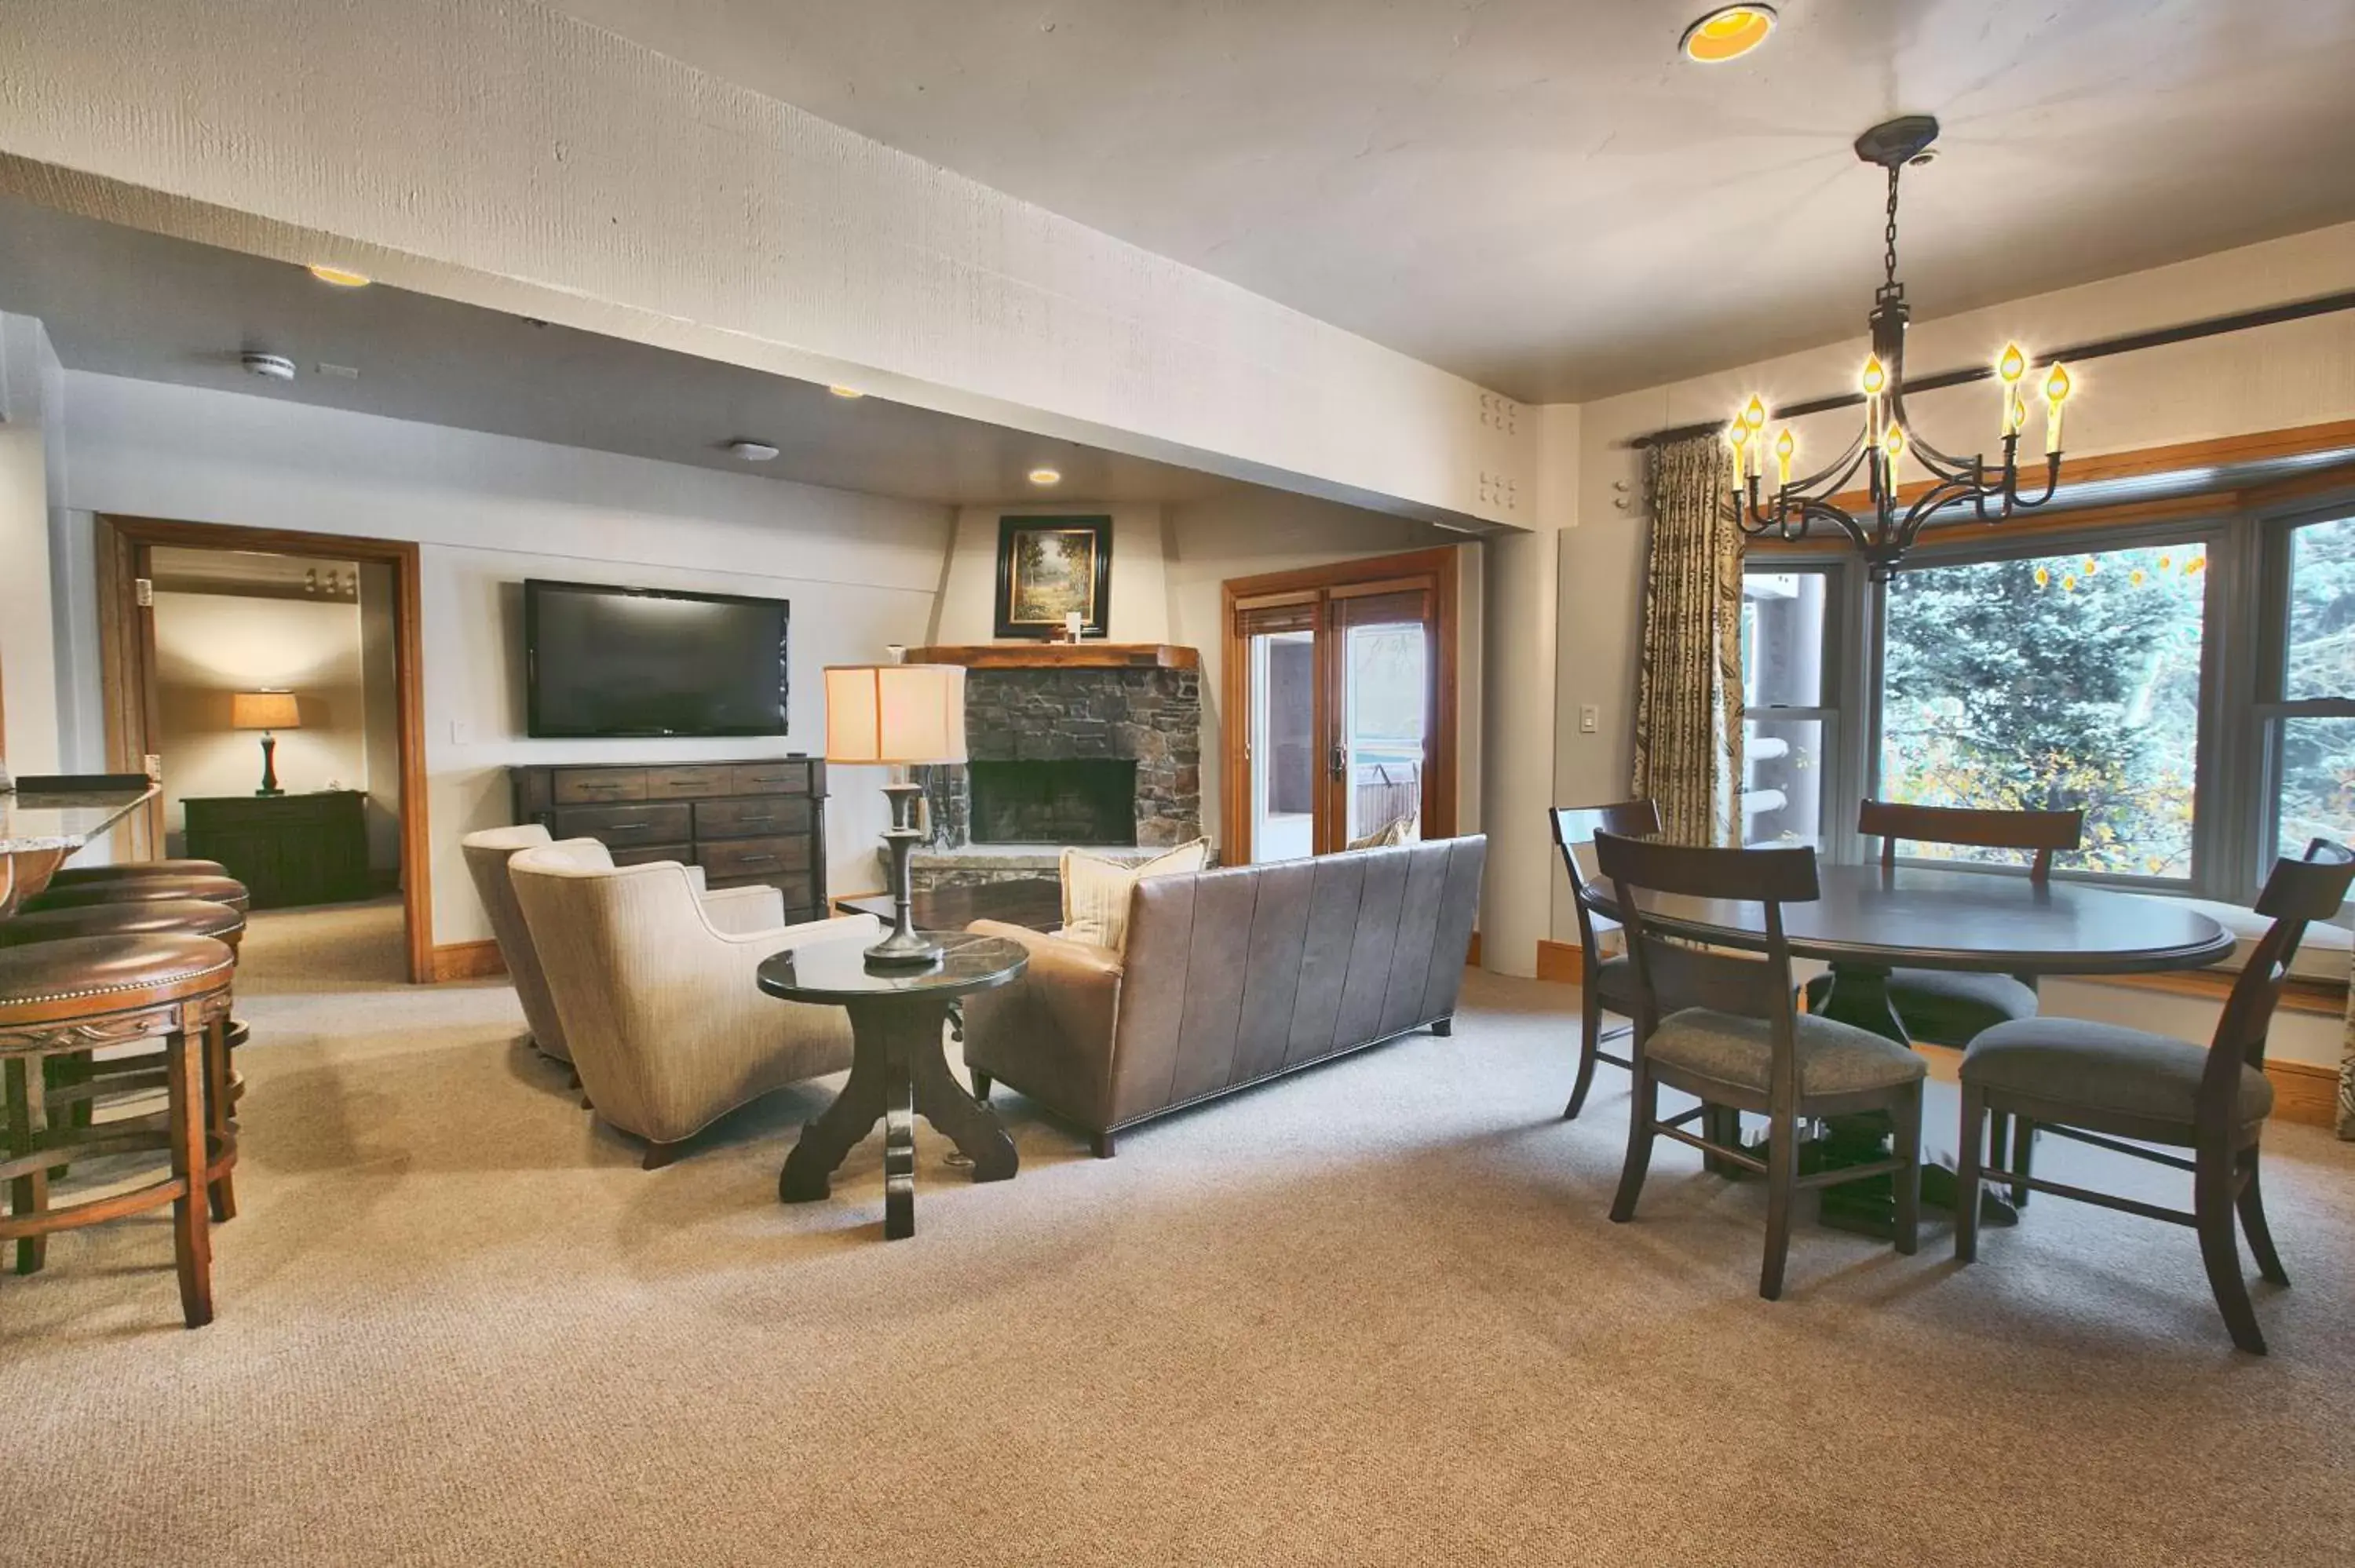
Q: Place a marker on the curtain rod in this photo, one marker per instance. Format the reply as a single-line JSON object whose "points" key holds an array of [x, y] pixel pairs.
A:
{"points": [[2215, 326]]}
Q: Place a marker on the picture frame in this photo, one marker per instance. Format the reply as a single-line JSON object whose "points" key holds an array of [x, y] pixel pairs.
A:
{"points": [[1049, 566]]}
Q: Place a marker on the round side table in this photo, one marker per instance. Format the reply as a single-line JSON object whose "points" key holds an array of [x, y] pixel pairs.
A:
{"points": [[897, 1069]]}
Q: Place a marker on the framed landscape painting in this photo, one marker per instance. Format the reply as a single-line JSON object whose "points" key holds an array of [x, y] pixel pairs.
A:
{"points": [[1050, 568]]}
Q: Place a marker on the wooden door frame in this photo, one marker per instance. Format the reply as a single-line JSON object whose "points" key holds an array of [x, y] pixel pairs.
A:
{"points": [[127, 666], [1442, 567]]}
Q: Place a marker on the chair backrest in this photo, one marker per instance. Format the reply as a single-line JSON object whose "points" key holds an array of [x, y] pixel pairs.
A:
{"points": [[1576, 825], [2041, 831], [1672, 973], [487, 853], [2297, 894]]}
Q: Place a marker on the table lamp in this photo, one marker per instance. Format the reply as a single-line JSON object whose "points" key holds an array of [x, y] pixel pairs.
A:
{"points": [[895, 716], [265, 710]]}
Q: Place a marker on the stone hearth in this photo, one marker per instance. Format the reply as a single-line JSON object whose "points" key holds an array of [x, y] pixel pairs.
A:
{"points": [[1147, 714]]}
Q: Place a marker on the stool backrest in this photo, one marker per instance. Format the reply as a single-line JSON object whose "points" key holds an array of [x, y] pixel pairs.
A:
{"points": [[2299, 892], [2041, 831]]}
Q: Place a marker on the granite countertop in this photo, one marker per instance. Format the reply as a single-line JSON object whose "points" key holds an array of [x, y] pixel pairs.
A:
{"points": [[33, 821]]}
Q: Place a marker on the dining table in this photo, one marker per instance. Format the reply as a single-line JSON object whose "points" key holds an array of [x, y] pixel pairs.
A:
{"points": [[1869, 920]]}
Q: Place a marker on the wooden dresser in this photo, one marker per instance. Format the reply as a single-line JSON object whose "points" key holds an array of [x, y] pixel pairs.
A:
{"points": [[747, 822], [286, 848]]}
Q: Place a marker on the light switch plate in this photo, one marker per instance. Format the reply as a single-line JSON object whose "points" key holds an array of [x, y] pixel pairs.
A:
{"points": [[461, 733], [1589, 717]]}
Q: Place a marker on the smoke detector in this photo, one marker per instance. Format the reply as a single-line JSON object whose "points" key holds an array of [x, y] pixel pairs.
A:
{"points": [[276, 367], [751, 452]]}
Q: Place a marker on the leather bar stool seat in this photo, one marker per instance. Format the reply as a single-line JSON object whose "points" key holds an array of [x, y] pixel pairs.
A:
{"points": [[83, 875], [131, 890], [140, 918], [67, 996]]}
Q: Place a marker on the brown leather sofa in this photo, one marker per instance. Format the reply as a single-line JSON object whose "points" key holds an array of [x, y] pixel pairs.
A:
{"points": [[1231, 977]]}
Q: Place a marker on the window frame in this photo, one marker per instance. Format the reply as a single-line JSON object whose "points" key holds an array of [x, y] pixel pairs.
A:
{"points": [[1836, 692], [2276, 529]]}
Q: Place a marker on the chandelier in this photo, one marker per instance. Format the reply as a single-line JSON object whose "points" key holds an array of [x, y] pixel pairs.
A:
{"points": [[1886, 527]]}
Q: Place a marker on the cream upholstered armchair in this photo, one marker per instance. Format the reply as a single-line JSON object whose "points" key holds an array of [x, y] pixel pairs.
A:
{"points": [[754, 908], [668, 1029]]}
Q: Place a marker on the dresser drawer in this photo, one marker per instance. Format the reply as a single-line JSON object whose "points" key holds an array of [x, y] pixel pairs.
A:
{"points": [[626, 827], [761, 817], [586, 786], [753, 857], [646, 855], [688, 783], [769, 779]]}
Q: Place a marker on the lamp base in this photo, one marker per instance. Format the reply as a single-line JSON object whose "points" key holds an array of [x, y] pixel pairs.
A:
{"points": [[269, 766], [904, 951], [905, 947]]}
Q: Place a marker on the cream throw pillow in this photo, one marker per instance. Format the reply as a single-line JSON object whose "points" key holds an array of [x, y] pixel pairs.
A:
{"points": [[1096, 890], [1402, 830]]}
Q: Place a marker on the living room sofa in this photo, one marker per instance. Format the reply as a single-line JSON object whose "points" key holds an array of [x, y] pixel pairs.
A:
{"points": [[1228, 979]]}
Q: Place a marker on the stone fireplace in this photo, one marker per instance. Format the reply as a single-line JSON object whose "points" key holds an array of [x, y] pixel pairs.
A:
{"points": [[1095, 745]]}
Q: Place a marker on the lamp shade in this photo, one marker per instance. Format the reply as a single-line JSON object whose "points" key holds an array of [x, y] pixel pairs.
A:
{"points": [[894, 712], [264, 710]]}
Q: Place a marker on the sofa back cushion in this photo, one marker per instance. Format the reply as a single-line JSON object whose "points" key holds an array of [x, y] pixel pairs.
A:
{"points": [[1233, 975]]}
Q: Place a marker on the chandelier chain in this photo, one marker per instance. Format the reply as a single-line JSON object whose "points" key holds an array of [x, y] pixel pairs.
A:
{"points": [[1889, 236]]}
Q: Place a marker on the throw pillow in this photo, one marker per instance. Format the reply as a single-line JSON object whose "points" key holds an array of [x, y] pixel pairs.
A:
{"points": [[1402, 830], [1096, 890]]}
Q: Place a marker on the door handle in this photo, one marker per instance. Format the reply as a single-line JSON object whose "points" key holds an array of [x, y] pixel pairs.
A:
{"points": [[1340, 759]]}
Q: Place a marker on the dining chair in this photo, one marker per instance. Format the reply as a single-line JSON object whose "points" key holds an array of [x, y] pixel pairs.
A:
{"points": [[1948, 1007], [1725, 1027], [2100, 1084], [1605, 984]]}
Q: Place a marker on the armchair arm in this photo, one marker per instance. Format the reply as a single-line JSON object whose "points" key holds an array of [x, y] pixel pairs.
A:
{"points": [[1050, 1033], [695, 878], [734, 911]]}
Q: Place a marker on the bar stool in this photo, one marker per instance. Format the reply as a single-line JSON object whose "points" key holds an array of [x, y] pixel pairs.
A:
{"points": [[68, 995], [134, 889], [83, 875], [77, 1079]]}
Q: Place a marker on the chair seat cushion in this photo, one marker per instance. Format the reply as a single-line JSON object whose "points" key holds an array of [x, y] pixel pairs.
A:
{"points": [[2102, 1067], [1946, 1006], [89, 977], [1615, 982], [1834, 1058]]}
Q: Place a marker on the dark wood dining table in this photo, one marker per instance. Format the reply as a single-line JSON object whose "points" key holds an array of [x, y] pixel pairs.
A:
{"points": [[1869, 921]]}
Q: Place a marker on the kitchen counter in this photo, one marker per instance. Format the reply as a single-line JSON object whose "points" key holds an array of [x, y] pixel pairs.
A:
{"points": [[47, 819]]}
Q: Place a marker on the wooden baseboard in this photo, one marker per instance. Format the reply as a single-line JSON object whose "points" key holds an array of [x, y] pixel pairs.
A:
{"points": [[2304, 1093], [467, 960], [2323, 998], [1563, 962]]}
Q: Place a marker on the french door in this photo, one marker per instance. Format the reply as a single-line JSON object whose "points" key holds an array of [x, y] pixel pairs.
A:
{"points": [[1340, 716]]}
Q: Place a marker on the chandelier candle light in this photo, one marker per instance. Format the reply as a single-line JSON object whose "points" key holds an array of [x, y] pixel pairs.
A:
{"points": [[1888, 439]]}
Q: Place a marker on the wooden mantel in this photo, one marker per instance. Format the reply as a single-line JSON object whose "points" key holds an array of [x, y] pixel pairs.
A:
{"points": [[1060, 656]]}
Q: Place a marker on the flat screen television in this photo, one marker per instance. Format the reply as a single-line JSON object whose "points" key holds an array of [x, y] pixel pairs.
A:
{"points": [[606, 661]]}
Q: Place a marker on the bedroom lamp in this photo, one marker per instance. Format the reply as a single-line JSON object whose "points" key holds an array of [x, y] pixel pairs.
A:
{"points": [[266, 711], [895, 716]]}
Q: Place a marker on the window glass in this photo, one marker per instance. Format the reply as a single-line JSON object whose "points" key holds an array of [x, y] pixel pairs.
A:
{"points": [[2318, 783], [2067, 680], [2321, 660], [1783, 789], [1783, 638]]}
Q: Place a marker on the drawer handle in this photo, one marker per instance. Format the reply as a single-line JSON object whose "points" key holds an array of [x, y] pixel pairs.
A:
{"points": [[625, 826], [753, 822], [757, 859]]}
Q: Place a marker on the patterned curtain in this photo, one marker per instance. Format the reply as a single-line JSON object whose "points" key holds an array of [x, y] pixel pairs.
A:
{"points": [[1689, 705], [2347, 1075]]}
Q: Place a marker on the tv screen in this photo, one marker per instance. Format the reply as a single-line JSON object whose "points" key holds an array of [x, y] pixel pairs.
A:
{"points": [[617, 660]]}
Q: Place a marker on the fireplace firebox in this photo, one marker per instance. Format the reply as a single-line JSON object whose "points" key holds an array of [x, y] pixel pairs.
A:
{"points": [[1070, 800]]}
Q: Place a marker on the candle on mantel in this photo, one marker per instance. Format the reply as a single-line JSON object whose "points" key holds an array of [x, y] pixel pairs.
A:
{"points": [[1070, 626]]}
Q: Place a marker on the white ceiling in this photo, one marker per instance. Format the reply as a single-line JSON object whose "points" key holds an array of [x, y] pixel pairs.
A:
{"points": [[123, 301], [1541, 195]]}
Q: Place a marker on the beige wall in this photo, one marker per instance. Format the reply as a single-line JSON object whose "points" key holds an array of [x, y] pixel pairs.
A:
{"points": [[210, 646], [29, 412]]}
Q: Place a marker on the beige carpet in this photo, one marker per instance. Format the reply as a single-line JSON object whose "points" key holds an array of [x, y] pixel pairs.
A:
{"points": [[1372, 1315]]}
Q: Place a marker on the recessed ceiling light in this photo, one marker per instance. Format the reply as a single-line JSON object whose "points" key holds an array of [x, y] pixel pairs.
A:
{"points": [[339, 278], [1045, 476], [846, 392], [751, 452], [1727, 33]]}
